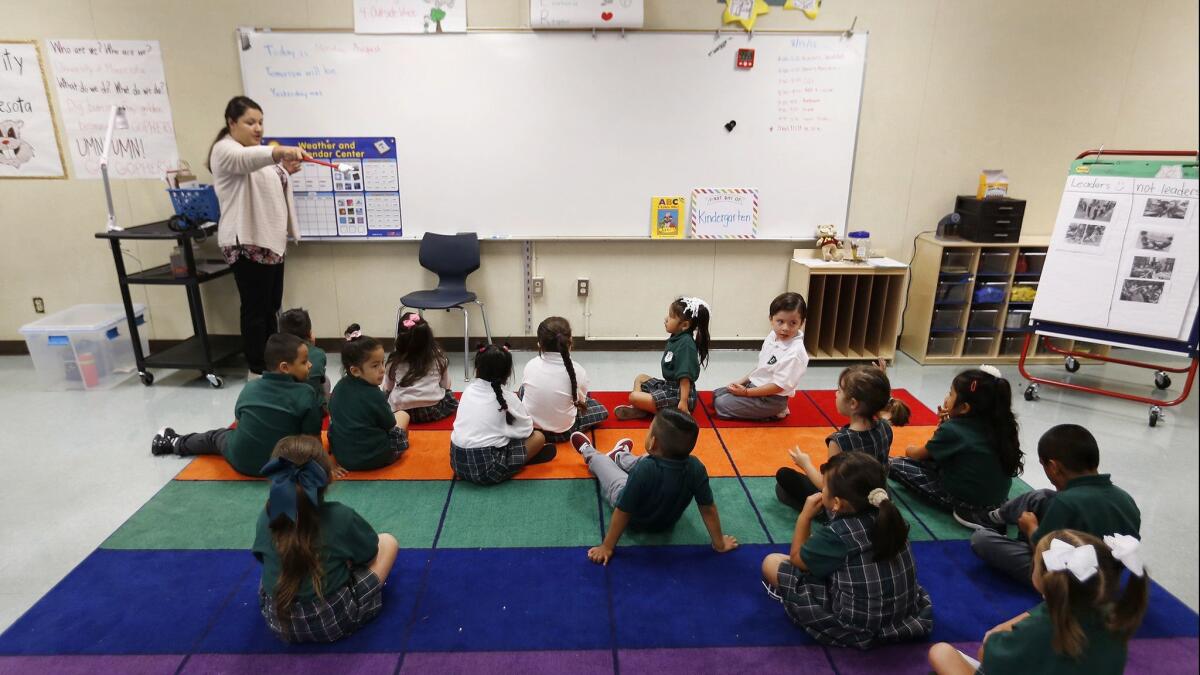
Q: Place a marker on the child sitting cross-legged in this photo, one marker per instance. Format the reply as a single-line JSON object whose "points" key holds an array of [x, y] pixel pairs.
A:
{"points": [[650, 492], [417, 377], [364, 433]]}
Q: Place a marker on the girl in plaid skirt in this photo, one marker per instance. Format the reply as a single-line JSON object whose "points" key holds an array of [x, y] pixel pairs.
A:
{"points": [[555, 386], [323, 565], [686, 352], [852, 583], [417, 380]]}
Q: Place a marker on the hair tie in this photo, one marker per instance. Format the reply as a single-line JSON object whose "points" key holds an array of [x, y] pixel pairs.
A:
{"points": [[1078, 560], [504, 347], [877, 497], [412, 320], [482, 348], [993, 371], [693, 305], [285, 476], [1125, 547], [353, 335]]}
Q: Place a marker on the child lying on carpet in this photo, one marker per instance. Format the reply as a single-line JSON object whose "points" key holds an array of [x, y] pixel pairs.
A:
{"points": [[650, 492], [323, 566]]}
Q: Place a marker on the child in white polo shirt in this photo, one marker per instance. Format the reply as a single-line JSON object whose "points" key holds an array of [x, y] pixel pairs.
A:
{"points": [[555, 386], [764, 393]]}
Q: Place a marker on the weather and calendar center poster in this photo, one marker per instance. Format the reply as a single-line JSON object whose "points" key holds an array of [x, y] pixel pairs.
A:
{"points": [[361, 202]]}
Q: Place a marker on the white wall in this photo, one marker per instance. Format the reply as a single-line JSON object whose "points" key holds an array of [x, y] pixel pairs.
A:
{"points": [[952, 86]]}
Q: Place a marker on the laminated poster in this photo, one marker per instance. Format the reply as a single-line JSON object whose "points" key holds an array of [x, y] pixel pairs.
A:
{"points": [[28, 137]]}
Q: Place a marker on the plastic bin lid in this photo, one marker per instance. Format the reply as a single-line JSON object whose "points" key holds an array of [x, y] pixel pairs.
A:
{"points": [[82, 318]]}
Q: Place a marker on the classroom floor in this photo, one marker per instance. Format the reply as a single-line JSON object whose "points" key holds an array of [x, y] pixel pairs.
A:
{"points": [[157, 578]]}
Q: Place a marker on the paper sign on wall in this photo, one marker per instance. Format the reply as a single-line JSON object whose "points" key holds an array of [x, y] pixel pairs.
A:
{"points": [[724, 213], [544, 14], [90, 77], [410, 16], [28, 139]]}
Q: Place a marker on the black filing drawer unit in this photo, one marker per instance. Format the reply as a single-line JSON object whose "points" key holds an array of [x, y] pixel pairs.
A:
{"points": [[989, 220]]}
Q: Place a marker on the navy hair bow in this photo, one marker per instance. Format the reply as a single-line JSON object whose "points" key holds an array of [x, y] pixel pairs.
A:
{"points": [[285, 476]]}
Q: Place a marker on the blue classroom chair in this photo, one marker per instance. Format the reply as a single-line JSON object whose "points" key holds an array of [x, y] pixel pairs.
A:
{"points": [[452, 257]]}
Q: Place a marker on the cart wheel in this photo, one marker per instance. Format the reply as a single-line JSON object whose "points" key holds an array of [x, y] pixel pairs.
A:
{"points": [[1155, 415], [147, 377], [1031, 392], [1162, 380], [1072, 364], [214, 380]]}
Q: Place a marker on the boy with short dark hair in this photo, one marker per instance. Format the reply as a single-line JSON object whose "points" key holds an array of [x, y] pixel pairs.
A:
{"points": [[276, 405], [1086, 500], [650, 492], [297, 322]]}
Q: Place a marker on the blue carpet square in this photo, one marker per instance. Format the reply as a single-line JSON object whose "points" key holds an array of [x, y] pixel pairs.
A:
{"points": [[130, 602], [511, 600], [968, 598], [1167, 616], [240, 628]]}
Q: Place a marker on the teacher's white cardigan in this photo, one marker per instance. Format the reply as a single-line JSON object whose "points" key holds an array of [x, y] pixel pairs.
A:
{"points": [[253, 205]]}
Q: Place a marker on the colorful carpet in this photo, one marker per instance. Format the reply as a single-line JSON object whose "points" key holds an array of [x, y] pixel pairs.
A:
{"points": [[495, 579]]}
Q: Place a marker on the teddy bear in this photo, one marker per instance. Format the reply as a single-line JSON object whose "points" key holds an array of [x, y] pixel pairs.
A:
{"points": [[13, 151], [827, 241]]}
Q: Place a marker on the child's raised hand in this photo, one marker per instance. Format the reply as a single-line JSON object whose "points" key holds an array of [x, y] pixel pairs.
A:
{"points": [[800, 457], [813, 505], [881, 363], [726, 544], [1028, 522], [602, 554]]}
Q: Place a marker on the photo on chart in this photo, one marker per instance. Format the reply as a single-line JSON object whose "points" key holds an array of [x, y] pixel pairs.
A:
{"points": [[1095, 209], [1175, 209], [1149, 240], [1138, 290], [1152, 267], [1086, 234]]}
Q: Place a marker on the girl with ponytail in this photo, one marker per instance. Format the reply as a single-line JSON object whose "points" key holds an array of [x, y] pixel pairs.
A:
{"points": [[975, 453], [854, 582], [493, 436], [555, 387], [685, 354], [1084, 624], [417, 380]]}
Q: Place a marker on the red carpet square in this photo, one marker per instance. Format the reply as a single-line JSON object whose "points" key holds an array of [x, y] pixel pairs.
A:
{"points": [[801, 413]]}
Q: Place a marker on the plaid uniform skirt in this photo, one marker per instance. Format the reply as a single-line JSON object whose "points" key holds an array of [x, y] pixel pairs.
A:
{"points": [[592, 416], [488, 466], [338, 615], [432, 413], [925, 480], [666, 394]]}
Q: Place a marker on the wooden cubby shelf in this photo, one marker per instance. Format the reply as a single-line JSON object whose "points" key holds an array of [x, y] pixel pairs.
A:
{"points": [[853, 309]]}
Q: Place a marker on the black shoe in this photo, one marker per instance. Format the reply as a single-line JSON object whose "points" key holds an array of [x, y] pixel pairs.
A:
{"points": [[549, 452], [979, 520], [165, 442]]}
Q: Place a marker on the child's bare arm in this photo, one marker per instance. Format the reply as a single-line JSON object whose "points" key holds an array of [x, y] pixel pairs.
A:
{"points": [[1005, 627], [919, 453], [685, 392], [604, 552], [721, 543], [812, 506]]}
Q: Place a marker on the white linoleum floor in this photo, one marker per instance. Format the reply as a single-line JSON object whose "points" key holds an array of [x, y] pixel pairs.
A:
{"points": [[77, 464]]}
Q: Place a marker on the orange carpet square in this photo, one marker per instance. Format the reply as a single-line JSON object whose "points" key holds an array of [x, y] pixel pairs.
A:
{"points": [[902, 437], [708, 448], [761, 452]]}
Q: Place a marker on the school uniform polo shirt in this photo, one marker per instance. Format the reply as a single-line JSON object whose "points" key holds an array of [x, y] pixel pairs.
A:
{"points": [[316, 375], [1028, 650], [548, 396], [966, 457], [269, 408], [681, 359], [782, 363], [1091, 504], [824, 553], [345, 538], [359, 422], [660, 489]]}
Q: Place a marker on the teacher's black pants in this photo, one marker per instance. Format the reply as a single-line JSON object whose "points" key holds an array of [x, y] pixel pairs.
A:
{"points": [[261, 289]]}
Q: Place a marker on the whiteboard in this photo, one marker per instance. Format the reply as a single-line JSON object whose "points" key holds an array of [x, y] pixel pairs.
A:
{"points": [[534, 135]]}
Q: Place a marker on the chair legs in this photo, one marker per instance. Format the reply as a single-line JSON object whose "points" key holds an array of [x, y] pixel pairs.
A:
{"points": [[486, 329]]}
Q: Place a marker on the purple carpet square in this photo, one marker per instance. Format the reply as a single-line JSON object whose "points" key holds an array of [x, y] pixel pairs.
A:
{"points": [[718, 660], [588, 662], [898, 659], [1170, 655], [87, 665], [292, 664]]}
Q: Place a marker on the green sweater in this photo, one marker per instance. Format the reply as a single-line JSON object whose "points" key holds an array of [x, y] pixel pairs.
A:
{"points": [[1027, 650], [268, 409], [1091, 504], [346, 541], [359, 421]]}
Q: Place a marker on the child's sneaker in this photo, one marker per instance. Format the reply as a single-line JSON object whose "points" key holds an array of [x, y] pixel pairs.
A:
{"points": [[165, 442], [578, 440], [772, 591], [628, 412], [623, 445], [979, 520]]}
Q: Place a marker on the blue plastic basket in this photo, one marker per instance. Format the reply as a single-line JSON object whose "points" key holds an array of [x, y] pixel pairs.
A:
{"points": [[198, 202]]}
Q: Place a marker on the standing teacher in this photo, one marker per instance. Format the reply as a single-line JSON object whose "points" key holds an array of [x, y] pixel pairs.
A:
{"points": [[257, 216]]}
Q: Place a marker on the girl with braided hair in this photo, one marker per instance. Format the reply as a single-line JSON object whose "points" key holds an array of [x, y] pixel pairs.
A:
{"points": [[555, 387]]}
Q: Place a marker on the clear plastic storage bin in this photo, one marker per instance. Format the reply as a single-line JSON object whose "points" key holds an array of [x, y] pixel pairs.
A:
{"points": [[994, 262], [1034, 261], [957, 262], [1017, 319], [946, 319], [1012, 344], [978, 345], [983, 319], [941, 345], [952, 292], [85, 347]]}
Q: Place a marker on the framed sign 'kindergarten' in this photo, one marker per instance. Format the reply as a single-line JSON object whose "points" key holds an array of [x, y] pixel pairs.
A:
{"points": [[724, 213]]}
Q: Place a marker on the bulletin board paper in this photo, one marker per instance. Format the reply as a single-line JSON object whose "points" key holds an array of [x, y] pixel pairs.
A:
{"points": [[91, 76], [29, 145], [550, 14], [410, 16], [724, 213]]}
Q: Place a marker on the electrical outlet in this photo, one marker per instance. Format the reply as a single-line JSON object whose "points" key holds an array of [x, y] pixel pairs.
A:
{"points": [[538, 286], [39, 306], [582, 287]]}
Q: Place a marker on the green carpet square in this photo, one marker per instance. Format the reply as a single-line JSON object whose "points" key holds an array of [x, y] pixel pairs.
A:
{"points": [[941, 524], [409, 510], [781, 519], [737, 519], [522, 513]]}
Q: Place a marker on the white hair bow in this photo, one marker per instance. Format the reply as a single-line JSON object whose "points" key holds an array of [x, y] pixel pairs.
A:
{"points": [[1125, 548], [693, 305], [1079, 560], [993, 371]]}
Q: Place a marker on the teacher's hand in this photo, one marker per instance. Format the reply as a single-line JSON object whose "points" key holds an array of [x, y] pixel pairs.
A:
{"points": [[287, 153]]}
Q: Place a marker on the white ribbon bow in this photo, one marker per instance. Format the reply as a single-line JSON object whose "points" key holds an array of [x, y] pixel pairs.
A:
{"points": [[992, 370], [1079, 560], [1125, 548], [693, 305]]}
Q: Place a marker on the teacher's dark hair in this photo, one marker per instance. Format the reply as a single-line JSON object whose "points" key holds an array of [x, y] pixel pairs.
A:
{"points": [[237, 106]]}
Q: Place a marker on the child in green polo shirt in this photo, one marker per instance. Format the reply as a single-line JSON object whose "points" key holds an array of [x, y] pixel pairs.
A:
{"points": [[686, 352], [650, 492], [1086, 500], [974, 454], [300, 536], [1083, 626], [278, 404], [297, 322], [364, 433]]}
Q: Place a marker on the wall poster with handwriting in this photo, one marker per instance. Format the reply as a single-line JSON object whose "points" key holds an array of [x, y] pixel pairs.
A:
{"points": [[29, 146]]}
